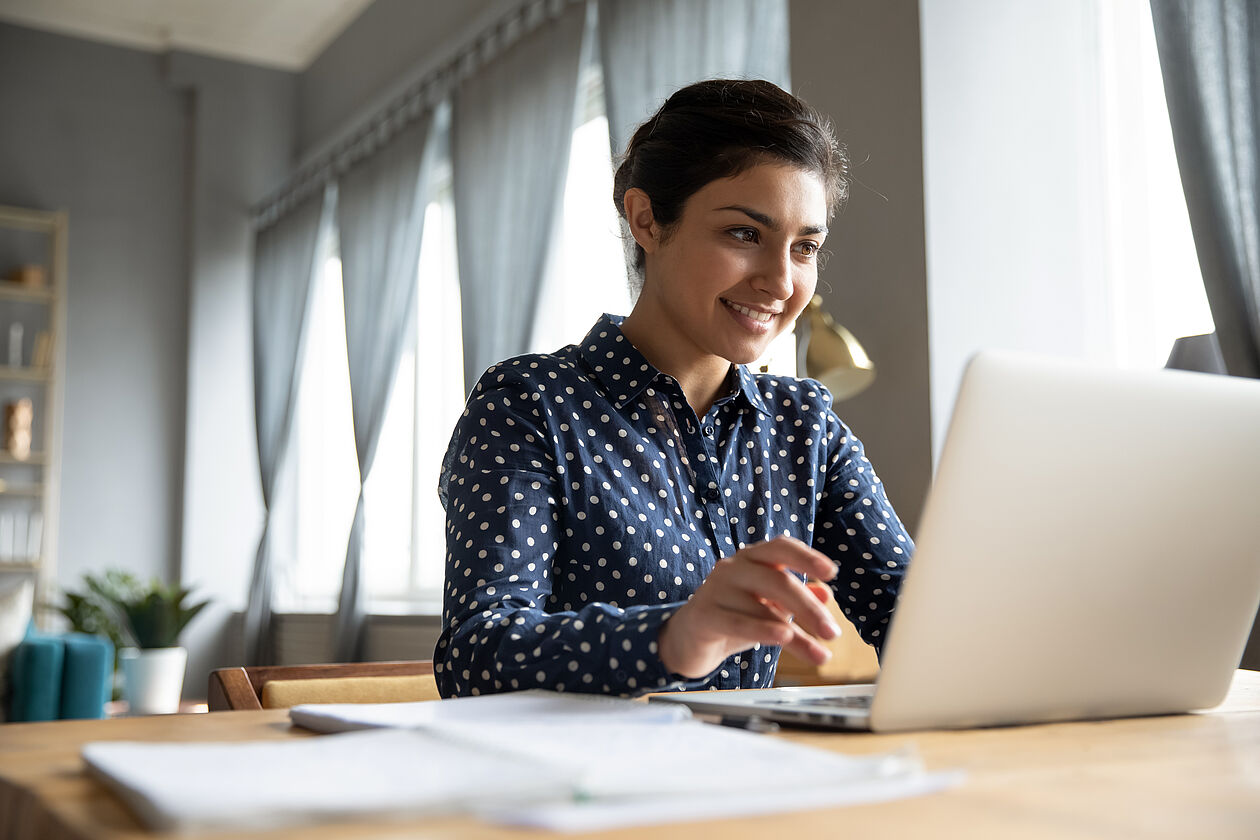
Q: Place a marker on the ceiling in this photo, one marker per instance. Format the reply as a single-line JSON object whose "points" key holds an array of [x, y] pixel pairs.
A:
{"points": [[287, 34]]}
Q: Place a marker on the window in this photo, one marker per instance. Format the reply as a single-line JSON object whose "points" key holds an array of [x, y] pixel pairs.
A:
{"points": [[1156, 287], [312, 532], [405, 541], [405, 547], [586, 271]]}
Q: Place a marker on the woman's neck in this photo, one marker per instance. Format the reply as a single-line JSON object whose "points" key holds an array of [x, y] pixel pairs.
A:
{"points": [[700, 375]]}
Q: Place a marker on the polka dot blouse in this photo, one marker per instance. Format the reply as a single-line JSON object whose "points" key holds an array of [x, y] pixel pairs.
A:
{"points": [[585, 503]]}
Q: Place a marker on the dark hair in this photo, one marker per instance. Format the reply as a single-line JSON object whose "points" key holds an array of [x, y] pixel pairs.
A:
{"points": [[718, 129]]}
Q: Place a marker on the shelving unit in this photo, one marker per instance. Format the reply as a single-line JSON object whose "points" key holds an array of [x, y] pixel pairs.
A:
{"points": [[30, 483], [25, 374]]}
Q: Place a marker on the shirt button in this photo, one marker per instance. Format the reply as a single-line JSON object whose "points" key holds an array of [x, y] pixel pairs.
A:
{"points": [[708, 431], [711, 495]]}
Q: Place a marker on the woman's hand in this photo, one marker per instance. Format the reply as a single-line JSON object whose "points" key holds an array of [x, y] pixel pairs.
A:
{"points": [[750, 597]]}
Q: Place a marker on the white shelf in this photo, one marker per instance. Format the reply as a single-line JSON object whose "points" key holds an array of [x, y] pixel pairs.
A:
{"points": [[12, 291], [35, 459], [33, 491], [41, 309], [25, 374]]}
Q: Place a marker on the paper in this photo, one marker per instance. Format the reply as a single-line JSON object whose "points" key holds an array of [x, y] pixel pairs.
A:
{"points": [[626, 760], [605, 815], [556, 761], [275, 783], [534, 706]]}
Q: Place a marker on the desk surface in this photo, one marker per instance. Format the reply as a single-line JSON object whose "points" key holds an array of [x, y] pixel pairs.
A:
{"points": [[1194, 775]]}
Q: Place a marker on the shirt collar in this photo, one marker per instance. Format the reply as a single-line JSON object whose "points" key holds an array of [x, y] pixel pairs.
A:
{"points": [[624, 372], [752, 394], [615, 362]]}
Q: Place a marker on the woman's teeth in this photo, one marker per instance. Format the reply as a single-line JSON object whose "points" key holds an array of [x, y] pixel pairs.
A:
{"points": [[751, 313]]}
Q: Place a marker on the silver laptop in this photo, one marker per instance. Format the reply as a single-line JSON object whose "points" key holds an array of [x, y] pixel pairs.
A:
{"points": [[1090, 549]]}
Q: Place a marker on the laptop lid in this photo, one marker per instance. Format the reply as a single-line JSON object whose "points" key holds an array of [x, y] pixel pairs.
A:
{"points": [[1090, 549]]}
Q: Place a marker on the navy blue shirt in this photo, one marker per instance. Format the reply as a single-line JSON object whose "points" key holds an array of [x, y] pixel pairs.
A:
{"points": [[586, 502]]}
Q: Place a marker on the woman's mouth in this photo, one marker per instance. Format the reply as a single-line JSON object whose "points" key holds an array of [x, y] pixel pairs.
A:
{"points": [[748, 312]]}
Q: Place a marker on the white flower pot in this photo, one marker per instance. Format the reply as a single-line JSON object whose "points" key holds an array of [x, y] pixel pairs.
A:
{"points": [[153, 679]]}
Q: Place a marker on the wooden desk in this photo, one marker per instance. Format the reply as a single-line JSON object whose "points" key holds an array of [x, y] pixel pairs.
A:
{"points": [[1184, 776]]}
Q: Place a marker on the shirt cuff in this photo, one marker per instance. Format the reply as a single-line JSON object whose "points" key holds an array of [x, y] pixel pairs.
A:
{"points": [[634, 655]]}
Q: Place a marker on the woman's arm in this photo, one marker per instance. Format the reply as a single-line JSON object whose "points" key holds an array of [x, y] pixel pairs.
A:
{"points": [[857, 527], [502, 629]]}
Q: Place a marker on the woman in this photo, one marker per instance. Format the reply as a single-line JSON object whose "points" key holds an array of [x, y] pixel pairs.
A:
{"points": [[640, 512]]}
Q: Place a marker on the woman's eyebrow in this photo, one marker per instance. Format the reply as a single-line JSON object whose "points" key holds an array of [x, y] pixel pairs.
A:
{"points": [[771, 222]]}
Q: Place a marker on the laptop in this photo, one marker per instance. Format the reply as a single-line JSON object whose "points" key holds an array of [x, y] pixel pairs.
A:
{"points": [[1090, 549]]}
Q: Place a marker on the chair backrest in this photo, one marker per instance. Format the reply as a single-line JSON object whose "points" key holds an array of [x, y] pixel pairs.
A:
{"points": [[281, 686]]}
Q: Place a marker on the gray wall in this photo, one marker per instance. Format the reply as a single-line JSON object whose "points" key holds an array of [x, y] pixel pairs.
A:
{"points": [[96, 131], [242, 144], [391, 44], [158, 160], [858, 62]]}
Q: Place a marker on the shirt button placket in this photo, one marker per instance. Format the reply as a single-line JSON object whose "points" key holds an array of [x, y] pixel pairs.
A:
{"points": [[712, 494], [702, 461]]}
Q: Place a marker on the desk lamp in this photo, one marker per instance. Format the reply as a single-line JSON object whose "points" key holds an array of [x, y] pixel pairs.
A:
{"points": [[831, 354]]}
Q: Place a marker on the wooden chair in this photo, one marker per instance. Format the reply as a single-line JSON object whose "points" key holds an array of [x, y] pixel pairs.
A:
{"points": [[281, 686]]}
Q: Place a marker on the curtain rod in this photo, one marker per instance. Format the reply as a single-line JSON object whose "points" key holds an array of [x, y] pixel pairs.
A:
{"points": [[421, 97]]}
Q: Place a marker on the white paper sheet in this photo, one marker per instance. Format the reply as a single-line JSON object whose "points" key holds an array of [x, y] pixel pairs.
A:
{"points": [[605, 815], [266, 784], [534, 706], [622, 761]]}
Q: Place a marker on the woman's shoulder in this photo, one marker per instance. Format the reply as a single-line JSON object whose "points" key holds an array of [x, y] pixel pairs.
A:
{"points": [[532, 372], [803, 394]]}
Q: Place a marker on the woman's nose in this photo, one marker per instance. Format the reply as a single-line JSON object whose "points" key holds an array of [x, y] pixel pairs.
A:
{"points": [[774, 274]]}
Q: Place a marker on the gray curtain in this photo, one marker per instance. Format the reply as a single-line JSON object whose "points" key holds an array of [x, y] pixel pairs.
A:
{"points": [[284, 266], [1209, 52], [510, 134], [650, 48], [380, 218]]}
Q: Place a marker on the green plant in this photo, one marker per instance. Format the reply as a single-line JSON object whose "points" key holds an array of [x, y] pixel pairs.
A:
{"points": [[159, 615], [129, 612], [92, 611]]}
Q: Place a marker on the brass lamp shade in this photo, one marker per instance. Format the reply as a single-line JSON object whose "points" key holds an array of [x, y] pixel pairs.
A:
{"points": [[829, 353]]}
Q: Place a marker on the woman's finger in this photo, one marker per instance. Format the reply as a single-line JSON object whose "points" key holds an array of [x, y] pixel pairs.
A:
{"points": [[821, 591], [793, 554], [745, 629], [788, 594], [807, 647]]}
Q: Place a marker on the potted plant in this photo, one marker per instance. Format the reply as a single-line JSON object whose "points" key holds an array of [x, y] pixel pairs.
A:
{"points": [[146, 621], [92, 611]]}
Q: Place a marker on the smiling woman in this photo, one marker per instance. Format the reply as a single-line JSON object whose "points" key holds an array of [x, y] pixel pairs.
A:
{"points": [[640, 511]]}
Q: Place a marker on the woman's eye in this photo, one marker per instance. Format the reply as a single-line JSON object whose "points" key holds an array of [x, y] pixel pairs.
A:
{"points": [[807, 249], [745, 234]]}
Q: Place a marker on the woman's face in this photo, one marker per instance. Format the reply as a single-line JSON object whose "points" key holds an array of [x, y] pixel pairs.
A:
{"points": [[739, 265]]}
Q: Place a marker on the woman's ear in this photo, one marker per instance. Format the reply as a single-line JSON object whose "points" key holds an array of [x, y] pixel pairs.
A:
{"points": [[639, 217]]}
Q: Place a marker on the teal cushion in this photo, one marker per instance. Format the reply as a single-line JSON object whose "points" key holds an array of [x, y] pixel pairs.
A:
{"points": [[35, 674], [86, 676]]}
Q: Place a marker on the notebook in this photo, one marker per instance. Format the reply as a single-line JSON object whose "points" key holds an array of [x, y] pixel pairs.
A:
{"points": [[1090, 549]]}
